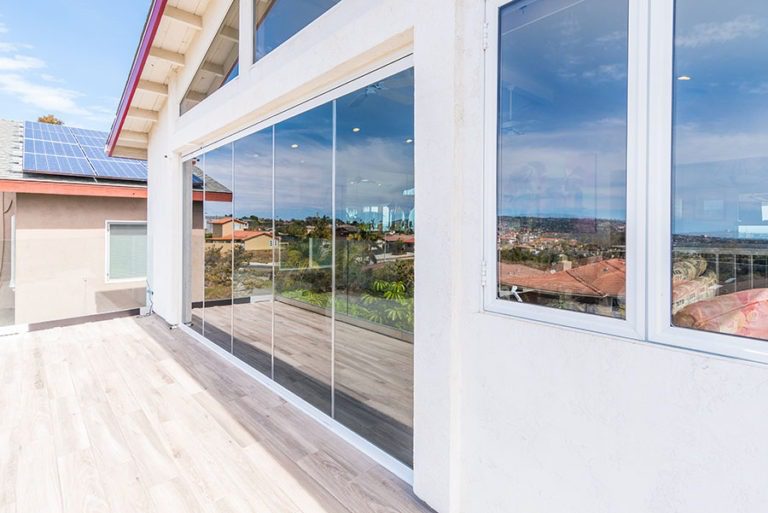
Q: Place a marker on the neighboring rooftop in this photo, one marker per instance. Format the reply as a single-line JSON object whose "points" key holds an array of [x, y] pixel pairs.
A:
{"points": [[606, 278], [12, 143], [90, 146]]}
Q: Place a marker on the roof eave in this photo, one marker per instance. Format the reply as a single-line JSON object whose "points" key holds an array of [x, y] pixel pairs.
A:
{"points": [[139, 60]]}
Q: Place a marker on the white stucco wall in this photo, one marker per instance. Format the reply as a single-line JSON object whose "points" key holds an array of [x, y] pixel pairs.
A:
{"points": [[510, 415]]}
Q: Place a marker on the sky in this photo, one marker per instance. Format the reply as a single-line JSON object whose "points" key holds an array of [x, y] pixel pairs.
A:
{"points": [[67, 58]]}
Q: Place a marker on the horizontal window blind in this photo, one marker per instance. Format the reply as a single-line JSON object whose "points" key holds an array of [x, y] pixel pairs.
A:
{"points": [[127, 251]]}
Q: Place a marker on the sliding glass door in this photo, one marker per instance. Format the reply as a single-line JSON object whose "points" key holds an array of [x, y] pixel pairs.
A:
{"points": [[309, 250]]}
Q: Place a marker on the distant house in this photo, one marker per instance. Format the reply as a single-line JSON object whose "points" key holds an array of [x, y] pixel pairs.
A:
{"points": [[223, 227], [228, 230], [73, 241]]}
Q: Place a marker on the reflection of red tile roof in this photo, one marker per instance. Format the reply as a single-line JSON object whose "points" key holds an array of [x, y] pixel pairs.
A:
{"points": [[225, 220], [600, 279], [407, 239], [241, 236], [507, 271]]}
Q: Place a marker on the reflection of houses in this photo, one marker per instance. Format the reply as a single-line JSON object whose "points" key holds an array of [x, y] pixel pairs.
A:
{"points": [[223, 227], [400, 243], [224, 235], [603, 283]]}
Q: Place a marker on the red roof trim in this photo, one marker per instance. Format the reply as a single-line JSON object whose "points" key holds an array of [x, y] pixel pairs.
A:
{"points": [[73, 189], [139, 60]]}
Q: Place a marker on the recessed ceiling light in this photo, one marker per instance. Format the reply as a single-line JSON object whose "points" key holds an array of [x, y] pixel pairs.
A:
{"points": [[356, 129], [683, 77], [408, 141], [294, 146]]}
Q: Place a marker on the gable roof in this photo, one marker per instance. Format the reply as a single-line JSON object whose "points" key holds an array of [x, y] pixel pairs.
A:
{"points": [[225, 220], [171, 27]]}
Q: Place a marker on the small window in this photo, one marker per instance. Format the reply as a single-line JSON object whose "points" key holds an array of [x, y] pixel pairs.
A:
{"points": [[126, 250], [276, 21], [720, 168], [561, 150], [220, 64]]}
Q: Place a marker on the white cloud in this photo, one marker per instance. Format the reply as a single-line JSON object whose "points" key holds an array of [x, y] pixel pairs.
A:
{"points": [[20, 62], [612, 37], [50, 78], [44, 97], [606, 72], [704, 34]]}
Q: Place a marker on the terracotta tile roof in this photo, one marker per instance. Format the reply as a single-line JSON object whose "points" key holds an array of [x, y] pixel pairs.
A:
{"points": [[225, 220], [606, 278], [407, 239], [241, 236]]}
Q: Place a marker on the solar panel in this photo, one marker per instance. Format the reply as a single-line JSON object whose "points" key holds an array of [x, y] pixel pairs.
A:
{"points": [[45, 132], [61, 150], [54, 164], [123, 169]]}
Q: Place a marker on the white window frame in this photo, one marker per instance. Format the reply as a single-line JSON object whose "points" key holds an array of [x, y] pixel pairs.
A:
{"points": [[660, 327], [107, 239], [637, 66]]}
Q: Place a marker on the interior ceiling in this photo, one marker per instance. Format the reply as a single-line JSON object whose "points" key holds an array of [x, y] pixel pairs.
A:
{"points": [[180, 25]]}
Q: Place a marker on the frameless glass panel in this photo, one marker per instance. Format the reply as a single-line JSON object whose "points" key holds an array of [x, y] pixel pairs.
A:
{"points": [[254, 251], [303, 292], [276, 21], [720, 167], [194, 169], [220, 64], [220, 226], [562, 117], [375, 242]]}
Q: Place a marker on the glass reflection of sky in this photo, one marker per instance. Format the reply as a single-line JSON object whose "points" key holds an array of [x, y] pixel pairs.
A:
{"points": [[253, 175], [562, 109], [720, 177], [374, 158], [279, 20], [303, 164], [217, 165]]}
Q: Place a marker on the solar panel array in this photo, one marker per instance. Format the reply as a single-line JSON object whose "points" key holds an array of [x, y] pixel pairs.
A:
{"points": [[61, 150]]}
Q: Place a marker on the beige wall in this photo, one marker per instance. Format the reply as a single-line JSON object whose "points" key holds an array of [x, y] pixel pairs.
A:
{"points": [[8, 204], [61, 257], [260, 243]]}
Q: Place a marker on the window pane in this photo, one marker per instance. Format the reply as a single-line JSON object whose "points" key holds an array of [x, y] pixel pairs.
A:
{"points": [[303, 292], [254, 251], [127, 251], [276, 21], [220, 64], [720, 167], [562, 119], [375, 241], [219, 231]]}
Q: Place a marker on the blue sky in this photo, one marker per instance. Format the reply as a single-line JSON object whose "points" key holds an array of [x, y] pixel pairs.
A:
{"points": [[68, 58]]}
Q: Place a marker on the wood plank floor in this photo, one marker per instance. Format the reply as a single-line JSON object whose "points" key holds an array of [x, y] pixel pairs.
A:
{"points": [[128, 416], [373, 368], [374, 372]]}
